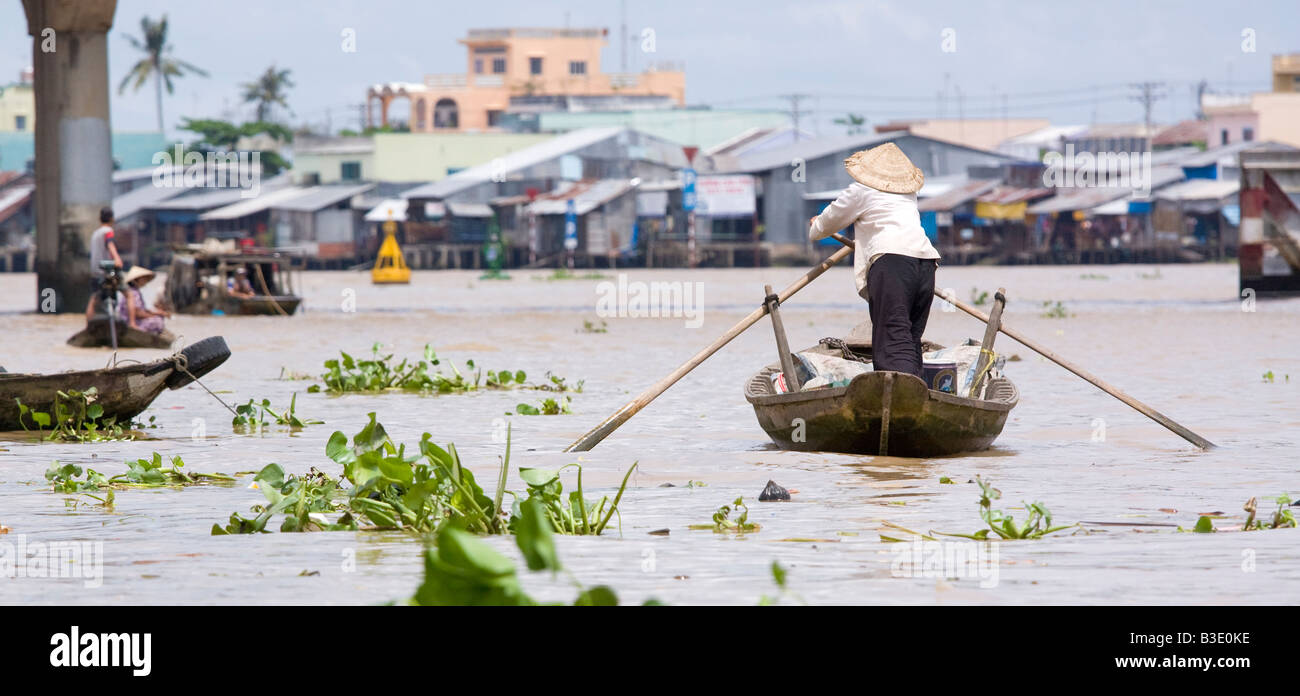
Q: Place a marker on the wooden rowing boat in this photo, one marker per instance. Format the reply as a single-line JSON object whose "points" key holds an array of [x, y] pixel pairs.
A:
{"points": [[97, 334], [889, 411], [123, 392]]}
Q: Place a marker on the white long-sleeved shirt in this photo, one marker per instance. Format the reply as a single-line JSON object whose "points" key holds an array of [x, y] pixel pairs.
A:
{"points": [[883, 223]]}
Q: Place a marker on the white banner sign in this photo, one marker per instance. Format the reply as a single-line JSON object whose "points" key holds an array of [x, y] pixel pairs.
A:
{"points": [[725, 196]]}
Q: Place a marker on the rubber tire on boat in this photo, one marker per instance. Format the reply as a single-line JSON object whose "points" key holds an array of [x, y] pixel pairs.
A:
{"points": [[201, 358]]}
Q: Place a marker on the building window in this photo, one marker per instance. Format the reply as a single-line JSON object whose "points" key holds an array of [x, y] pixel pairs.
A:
{"points": [[20, 123], [534, 66], [1223, 136], [498, 65], [350, 171], [494, 118], [478, 66], [577, 67], [1247, 134]]}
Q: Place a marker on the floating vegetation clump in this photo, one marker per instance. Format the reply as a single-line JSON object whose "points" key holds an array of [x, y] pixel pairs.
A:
{"points": [[1037, 525], [592, 327], [574, 514], [1282, 518], [418, 492], [463, 571], [1054, 310], [74, 417], [140, 473], [563, 273], [548, 407], [723, 523], [254, 416], [1270, 378], [380, 373], [978, 297]]}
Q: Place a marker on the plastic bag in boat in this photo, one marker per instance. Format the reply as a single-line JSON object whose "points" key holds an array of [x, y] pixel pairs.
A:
{"points": [[818, 370]]}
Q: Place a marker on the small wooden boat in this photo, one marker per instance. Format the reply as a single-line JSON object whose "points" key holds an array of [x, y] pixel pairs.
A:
{"points": [[97, 334], [199, 280], [892, 411], [124, 391]]}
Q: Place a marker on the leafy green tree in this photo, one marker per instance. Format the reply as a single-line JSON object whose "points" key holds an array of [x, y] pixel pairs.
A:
{"points": [[157, 63]]}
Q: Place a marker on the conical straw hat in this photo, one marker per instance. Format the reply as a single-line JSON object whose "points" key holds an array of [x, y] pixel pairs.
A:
{"points": [[885, 168], [137, 273]]}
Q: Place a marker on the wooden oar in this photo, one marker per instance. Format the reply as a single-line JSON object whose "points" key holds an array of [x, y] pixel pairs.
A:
{"points": [[600, 432], [1142, 408]]}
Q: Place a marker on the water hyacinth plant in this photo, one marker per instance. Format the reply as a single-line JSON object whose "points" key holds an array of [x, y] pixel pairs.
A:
{"points": [[576, 515], [69, 478], [391, 488], [1037, 525], [460, 570], [722, 521], [74, 417], [254, 416], [379, 373], [547, 407]]}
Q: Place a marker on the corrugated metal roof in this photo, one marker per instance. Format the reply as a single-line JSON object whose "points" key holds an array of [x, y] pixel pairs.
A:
{"points": [[1119, 206], [469, 209], [1067, 199], [137, 199], [208, 198], [251, 206], [957, 195], [318, 197], [388, 209], [520, 159], [586, 199], [804, 149], [1200, 190], [1007, 195], [12, 199], [1227, 154]]}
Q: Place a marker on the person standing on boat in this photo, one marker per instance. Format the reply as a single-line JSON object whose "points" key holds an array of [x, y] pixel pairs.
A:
{"points": [[102, 248], [894, 262]]}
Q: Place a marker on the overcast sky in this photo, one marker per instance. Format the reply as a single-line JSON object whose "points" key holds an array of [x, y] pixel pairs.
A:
{"points": [[1071, 62]]}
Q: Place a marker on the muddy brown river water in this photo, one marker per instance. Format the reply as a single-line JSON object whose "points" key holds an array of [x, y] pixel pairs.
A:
{"points": [[1176, 337]]}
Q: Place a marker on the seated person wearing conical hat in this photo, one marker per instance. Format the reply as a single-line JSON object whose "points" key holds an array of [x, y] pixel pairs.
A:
{"points": [[137, 314], [894, 262]]}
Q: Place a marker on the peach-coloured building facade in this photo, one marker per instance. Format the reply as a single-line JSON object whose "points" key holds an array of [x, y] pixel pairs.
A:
{"points": [[521, 62]]}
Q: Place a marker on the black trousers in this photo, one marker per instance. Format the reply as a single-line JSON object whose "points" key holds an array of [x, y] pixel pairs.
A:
{"points": [[900, 290]]}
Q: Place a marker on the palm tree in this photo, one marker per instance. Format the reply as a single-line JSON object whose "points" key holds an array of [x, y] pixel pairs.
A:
{"points": [[854, 123], [157, 63], [268, 91]]}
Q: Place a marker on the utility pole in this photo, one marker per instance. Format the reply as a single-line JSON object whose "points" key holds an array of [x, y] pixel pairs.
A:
{"points": [[1149, 93], [795, 112], [1200, 89], [622, 42]]}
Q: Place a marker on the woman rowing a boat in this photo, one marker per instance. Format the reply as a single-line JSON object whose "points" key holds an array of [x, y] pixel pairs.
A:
{"points": [[894, 262]]}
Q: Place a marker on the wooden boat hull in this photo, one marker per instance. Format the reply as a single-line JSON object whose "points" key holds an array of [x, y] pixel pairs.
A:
{"points": [[851, 419], [266, 305], [124, 391], [97, 334]]}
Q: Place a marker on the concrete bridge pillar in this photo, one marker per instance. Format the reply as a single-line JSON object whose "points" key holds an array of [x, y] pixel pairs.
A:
{"points": [[74, 157]]}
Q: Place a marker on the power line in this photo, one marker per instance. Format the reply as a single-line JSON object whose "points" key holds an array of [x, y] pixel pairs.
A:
{"points": [[1149, 94], [795, 112]]}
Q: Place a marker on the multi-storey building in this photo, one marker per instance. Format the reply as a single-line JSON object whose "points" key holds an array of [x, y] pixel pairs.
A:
{"points": [[524, 70]]}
